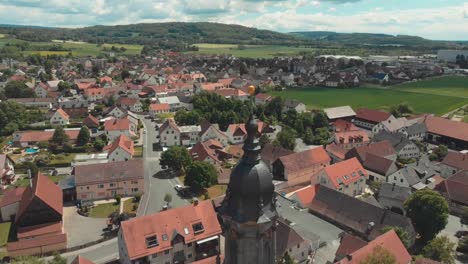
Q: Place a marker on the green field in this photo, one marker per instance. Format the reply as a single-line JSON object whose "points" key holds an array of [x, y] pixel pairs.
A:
{"points": [[373, 98], [250, 51], [79, 49], [448, 85]]}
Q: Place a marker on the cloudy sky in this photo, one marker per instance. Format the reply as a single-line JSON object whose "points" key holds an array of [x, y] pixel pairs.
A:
{"points": [[435, 19]]}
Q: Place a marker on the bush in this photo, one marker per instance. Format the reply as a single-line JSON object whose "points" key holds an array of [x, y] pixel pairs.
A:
{"points": [[137, 198], [118, 198]]}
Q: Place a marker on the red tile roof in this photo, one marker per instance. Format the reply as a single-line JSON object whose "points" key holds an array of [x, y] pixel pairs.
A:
{"points": [[374, 116], [345, 172], [457, 160], [11, 196], [91, 121], [124, 143], [169, 223], [342, 125], [351, 136], [206, 149], [159, 107], [388, 241], [37, 136], [307, 194], [349, 244], [382, 148], [37, 242], [128, 101], [81, 260], [448, 128], [336, 151], [230, 92], [44, 189], [109, 172], [240, 128], [455, 187], [40, 230], [117, 124], [302, 160], [264, 97], [105, 79], [63, 114]]}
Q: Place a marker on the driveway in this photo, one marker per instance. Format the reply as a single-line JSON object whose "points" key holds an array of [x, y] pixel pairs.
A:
{"points": [[81, 230], [452, 227]]}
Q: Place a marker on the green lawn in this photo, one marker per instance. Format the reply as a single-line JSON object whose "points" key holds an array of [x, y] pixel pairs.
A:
{"points": [[250, 51], [4, 233], [62, 159], [315, 97], [103, 210], [128, 206], [448, 85], [138, 152], [79, 49]]}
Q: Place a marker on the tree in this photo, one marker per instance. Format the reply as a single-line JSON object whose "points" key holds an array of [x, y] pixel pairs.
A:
{"points": [[83, 136], [401, 233], [428, 211], [308, 137], [59, 137], [320, 120], [322, 135], [63, 86], [187, 118], [98, 144], [124, 74], [27, 260], [286, 259], [168, 198], [441, 151], [286, 138], [200, 175], [464, 216], [440, 249], [380, 255], [275, 108], [117, 198], [58, 259], [18, 89], [177, 158]]}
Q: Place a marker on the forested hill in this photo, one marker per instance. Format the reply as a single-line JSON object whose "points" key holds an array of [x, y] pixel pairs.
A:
{"points": [[368, 39], [144, 34]]}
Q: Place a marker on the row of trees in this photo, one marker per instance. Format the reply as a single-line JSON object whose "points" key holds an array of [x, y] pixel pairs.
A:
{"points": [[14, 117]]}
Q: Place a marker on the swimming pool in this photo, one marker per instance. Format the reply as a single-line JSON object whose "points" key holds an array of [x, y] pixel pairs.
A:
{"points": [[31, 150]]}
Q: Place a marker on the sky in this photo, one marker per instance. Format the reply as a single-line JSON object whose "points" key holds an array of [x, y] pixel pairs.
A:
{"points": [[433, 19]]}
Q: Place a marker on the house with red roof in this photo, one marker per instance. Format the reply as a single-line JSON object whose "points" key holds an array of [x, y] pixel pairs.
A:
{"points": [[105, 81], [41, 90], [351, 139], [38, 220], [210, 151], [131, 104], [455, 190], [348, 177], [116, 127], [382, 149], [180, 235], [60, 118], [262, 98], [453, 162], [90, 121], [120, 150], [212, 131], [232, 93], [444, 131], [30, 138], [155, 109], [105, 180], [236, 132], [299, 168], [357, 250], [368, 118]]}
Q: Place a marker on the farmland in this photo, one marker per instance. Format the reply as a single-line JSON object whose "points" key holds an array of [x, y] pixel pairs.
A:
{"points": [[249, 51], [78, 49], [373, 98], [448, 85]]}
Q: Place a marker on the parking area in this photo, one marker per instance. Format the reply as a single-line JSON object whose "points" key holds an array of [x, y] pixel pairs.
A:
{"points": [[81, 230]]}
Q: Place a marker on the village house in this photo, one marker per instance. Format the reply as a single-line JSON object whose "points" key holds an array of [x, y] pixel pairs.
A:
{"points": [[116, 127], [116, 112], [299, 168], [379, 168], [290, 241], [210, 151], [351, 139], [393, 197], [391, 125], [106, 180], [31, 138], [353, 250], [271, 153], [348, 177], [382, 149], [212, 131], [416, 131], [60, 118], [452, 163], [455, 190], [131, 104], [41, 103], [172, 101], [38, 220], [41, 90], [450, 133], [236, 132], [172, 135], [293, 105], [158, 238], [232, 93], [120, 150], [404, 147], [156, 109], [418, 175], [368, 118], [7, 170], [262, 99], [90, 122]]}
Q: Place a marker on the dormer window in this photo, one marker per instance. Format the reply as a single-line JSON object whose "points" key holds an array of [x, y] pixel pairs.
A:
{"points": [[198, 228], [151, 241]]}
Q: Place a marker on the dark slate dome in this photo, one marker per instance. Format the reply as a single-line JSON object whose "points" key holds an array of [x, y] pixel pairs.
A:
{"points": [[250, 194]]}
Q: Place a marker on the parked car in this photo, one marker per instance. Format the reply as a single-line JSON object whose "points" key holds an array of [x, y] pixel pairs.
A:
{"points": [[178, 187]]}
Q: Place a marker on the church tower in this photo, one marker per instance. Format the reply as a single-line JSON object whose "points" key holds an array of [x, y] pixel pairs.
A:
{"points": [[248, 211]]}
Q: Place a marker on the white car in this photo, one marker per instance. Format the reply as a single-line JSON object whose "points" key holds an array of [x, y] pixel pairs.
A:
{"points": [[144, 131], [178, 187]]}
